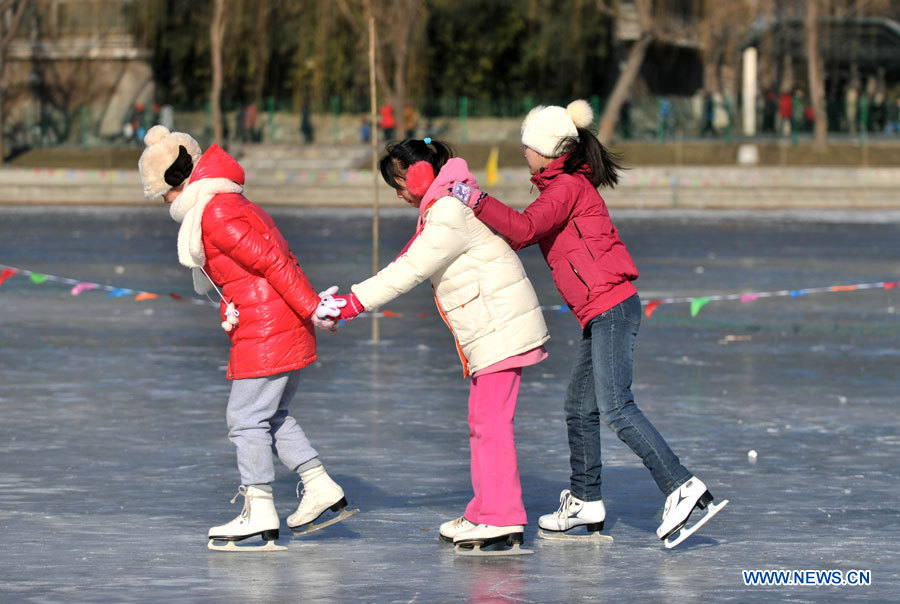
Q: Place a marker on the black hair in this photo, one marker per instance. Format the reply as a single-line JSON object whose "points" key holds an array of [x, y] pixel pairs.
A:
{"points": [[400, 155], [587, 150]]}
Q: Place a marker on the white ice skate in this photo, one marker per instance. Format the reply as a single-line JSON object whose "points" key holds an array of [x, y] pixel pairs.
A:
{"points": [[679, 505], [452, 528], [320, 494], [257, 518], [572, 513], [473, 541]]}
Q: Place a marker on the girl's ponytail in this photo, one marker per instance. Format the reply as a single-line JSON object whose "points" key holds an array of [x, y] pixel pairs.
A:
{"points": [[587, 150], [400, 155]]}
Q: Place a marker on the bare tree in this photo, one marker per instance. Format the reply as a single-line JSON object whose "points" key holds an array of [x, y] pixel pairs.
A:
{"points": [[816, 74], [216, 33], [400, 19], [629, 73], [11, 12]]}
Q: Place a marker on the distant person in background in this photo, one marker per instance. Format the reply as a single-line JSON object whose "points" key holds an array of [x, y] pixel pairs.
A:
{"points": [[251, 122], [851, 108], [770, 108], [137, 122], [878, 112], [799, 111], [785, 113], [306, 127], [388, 121], [167, 116], [625, 119], [410, 120], [893, 118], [709, 109], [365, 130]]}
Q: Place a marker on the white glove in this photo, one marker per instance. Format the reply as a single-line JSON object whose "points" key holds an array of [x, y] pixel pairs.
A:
{"points": [[231, 317], [328, 305]]}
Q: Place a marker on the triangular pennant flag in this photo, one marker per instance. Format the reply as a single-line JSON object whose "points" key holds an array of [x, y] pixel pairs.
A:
{"points": [[843, 288], [749, 297], [7, 273], [796, 293], [38, 278], [83, 287], [491, 170], [562, 310], [145, 296], [697, 304], [651, 306], [118, 293], [176, 297], [887, 285], [390, 313]]}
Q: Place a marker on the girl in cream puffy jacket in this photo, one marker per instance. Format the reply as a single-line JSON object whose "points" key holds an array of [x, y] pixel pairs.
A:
{"points": [[487, 301]]}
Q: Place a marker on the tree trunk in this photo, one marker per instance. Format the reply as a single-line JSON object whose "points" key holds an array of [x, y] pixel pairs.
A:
{"points": [[216, 32], [262, 50], [816, 77], [622, 89], [11, 12]]}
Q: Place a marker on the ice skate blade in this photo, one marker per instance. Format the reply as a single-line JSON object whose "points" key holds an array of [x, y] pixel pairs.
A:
{"points": [[561, 536], [312, 527], [711, 510], [476, 551], [232, 546]]}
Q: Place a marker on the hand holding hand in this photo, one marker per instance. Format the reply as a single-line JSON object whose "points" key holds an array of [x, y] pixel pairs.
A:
{"points": [[327, 324], [329, 306], [351, 306], [231, 317], [467, 194]]}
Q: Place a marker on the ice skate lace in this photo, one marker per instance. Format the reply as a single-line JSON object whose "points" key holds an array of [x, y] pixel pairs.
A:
{"points": [[242, 490], [298, 490], [565, 500]]}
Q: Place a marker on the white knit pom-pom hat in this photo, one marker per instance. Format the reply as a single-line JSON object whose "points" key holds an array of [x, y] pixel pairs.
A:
{"points": [[544, 127], [163, 148]]}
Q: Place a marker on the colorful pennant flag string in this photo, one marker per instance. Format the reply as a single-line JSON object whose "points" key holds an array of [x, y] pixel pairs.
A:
{"points": [[79, 287], [697, 303]]}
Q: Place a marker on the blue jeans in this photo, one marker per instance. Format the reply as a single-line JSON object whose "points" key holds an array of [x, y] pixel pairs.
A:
{"points": [[601, 386]]}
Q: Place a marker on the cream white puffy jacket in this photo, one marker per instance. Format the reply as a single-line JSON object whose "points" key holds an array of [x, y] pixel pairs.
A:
{"points": [[480, 286]]}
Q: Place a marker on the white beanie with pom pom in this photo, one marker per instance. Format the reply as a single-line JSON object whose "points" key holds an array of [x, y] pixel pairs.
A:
{"points": [[163, 149], [545, 127]]}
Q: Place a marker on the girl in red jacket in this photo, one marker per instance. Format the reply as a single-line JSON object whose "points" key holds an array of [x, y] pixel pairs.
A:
{"points": [[269, 308], [593, 271]]}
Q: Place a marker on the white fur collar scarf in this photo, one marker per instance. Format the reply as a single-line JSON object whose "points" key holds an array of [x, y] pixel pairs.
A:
{"points": [[187, 209]]}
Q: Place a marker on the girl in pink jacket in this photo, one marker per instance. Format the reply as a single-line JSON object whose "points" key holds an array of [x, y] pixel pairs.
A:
{"points": [[593, 272]]}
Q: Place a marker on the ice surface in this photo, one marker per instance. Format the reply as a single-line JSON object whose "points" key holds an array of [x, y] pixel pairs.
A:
{"points": [[116, 461]]}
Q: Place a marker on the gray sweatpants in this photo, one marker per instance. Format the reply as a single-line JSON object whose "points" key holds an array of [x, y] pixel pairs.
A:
{"points": [[259, 425]]}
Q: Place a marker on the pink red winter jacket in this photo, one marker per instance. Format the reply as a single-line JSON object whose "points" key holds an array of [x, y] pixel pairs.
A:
{"points": [[251, 263], [569, 221]]}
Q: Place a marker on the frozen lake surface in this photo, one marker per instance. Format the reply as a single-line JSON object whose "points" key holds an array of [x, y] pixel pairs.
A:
{"points": [[115, 459]]}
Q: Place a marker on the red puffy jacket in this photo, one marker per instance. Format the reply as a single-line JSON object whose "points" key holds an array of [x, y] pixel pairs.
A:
{"points": [[569, 221], [251, 263]]}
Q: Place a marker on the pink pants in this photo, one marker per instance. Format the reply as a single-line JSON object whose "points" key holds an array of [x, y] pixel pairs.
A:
{"points": [[495, 467]]}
